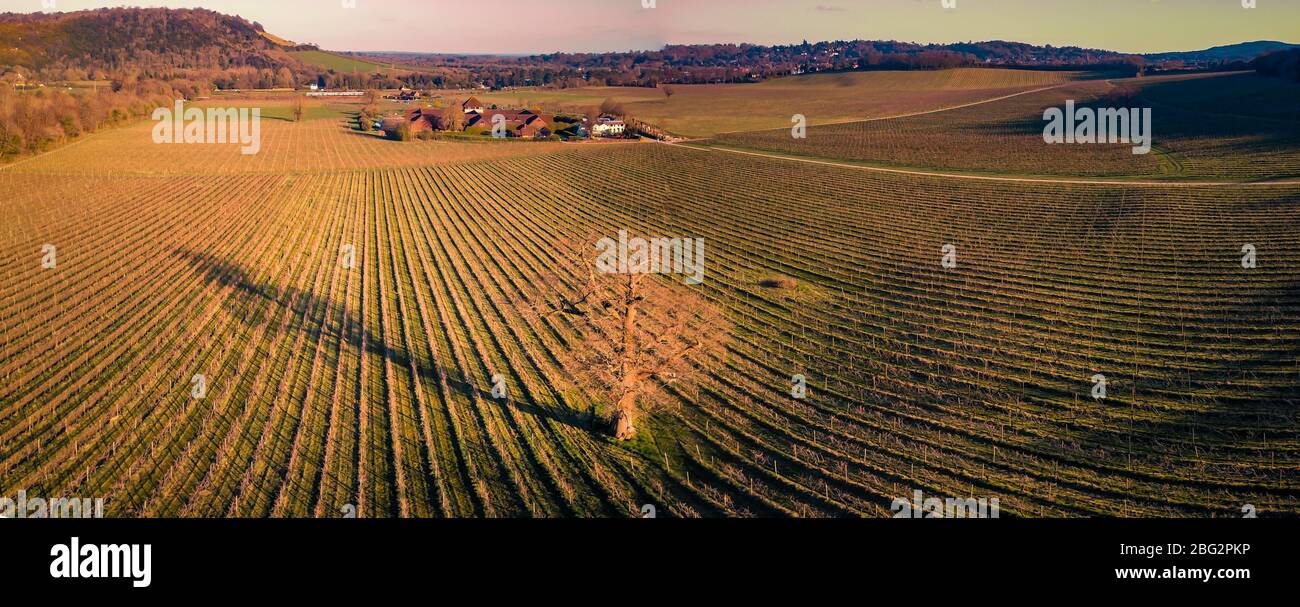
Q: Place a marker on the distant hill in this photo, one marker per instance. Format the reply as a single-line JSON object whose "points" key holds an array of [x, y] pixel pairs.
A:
{"points": [[197, 48], [1244, 51], [158, 42]]}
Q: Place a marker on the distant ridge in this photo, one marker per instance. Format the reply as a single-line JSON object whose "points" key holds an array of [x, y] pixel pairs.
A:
{"points": [[1244, 51], [156, 40]]}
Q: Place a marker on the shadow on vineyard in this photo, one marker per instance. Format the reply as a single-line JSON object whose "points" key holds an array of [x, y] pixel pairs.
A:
{"points": [[228, 274]]}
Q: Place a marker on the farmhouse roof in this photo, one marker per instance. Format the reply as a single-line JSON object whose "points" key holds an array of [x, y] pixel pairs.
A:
{"points": [[524, 123]]}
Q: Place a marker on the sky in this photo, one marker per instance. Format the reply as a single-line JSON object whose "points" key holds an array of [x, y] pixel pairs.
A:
{"points": [[539, 26]]}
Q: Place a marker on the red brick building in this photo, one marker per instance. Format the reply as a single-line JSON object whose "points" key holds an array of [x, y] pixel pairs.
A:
{"points": [[523, 123]]}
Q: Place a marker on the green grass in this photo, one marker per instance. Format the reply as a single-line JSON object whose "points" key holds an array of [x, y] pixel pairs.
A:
{"points": [[309, 112], [339, 63], [281, 110]]}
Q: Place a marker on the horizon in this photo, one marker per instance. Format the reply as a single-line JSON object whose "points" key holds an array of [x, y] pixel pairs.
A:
{"points": [[404, 26], [648, 50]]}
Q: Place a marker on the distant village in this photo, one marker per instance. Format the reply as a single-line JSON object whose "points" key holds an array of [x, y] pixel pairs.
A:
{"points": [[473, 116]]}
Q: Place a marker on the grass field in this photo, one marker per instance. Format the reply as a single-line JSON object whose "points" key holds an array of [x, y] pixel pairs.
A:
{"points": [[329, 386], [340, 63], [279, 107], [706, 110]]}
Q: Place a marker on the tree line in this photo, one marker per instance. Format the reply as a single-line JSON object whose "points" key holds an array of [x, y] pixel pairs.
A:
{"points": [[33, 121], [1280, 64]]}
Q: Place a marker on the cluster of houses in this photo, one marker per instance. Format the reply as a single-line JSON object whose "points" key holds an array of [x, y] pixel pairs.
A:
{"points": [[523, 123], [404, 95]]}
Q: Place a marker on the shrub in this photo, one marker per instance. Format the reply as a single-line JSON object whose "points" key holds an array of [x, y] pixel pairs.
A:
{"points": [[401, 133], [778, 282]]}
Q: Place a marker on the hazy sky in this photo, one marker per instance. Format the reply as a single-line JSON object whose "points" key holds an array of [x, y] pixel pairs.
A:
{"points": [[531, 26]]}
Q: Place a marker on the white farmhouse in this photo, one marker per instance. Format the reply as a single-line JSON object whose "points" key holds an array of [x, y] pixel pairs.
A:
{"points": [[608, 128]]}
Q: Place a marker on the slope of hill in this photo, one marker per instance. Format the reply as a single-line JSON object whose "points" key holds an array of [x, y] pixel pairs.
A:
{"points": [[159, 42], [1244, 51], [278, 41], [339, 63]]}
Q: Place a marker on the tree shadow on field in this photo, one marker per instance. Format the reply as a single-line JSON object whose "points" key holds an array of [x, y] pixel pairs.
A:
{"points": [[375, 135], [318, 310]]}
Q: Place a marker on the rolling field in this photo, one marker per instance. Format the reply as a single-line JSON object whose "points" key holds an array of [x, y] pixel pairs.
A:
{"points": [[708, 109], [287, 147], [1197, 134], [1238, 126], [330, 385]]}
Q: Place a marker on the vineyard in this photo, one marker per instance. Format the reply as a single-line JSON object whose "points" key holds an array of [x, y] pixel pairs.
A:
{"points": [[286, 147], [1197, 134], [331, 385], [704, 110]]}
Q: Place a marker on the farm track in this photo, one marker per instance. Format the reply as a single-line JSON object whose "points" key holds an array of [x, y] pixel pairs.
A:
{"points": [[995, 178]]}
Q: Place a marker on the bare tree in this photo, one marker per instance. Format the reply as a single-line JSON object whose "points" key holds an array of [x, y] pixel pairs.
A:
{"points": [[669, 92], [298, 109], [454, 116], [639, 332], [611, 107]]}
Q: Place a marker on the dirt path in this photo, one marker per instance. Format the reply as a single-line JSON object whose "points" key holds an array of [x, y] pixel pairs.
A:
{"points": [[1060, 180]]}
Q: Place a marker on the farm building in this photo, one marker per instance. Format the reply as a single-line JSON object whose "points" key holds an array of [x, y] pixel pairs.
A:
{"points": [[423, 120], [390, 125], [419, 119], [405, 94], [472, 106], [523, 123]]}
